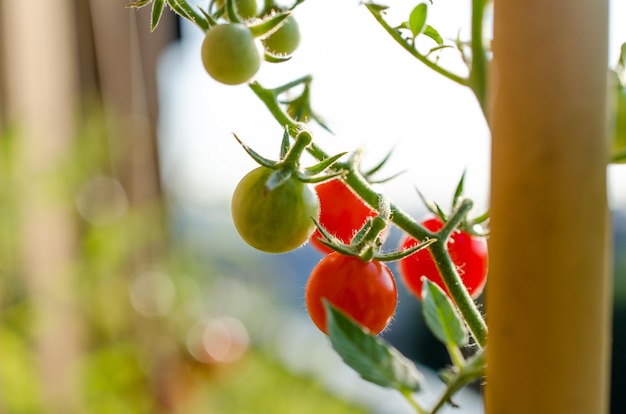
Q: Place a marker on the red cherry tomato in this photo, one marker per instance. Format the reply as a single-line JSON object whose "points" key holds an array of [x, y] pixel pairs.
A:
{"points": [[366, 291], [468, 253], [342, 213]]}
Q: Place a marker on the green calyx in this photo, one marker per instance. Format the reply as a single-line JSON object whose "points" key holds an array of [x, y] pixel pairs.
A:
{"points": [[288, 165]]}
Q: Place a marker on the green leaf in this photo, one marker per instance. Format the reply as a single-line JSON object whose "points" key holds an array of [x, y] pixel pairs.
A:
{"points": [[378, 166], [324, 164], [277, 178], [433, 34], [138, 4], [397, 255], [183, 8], [255, 155], [157, 12], [619, 157], [377, 8], [300, 109], [285, 144], [231, 11], [441, 316], [269, 25], [271, 58], [417, 19], [458, 193], [375, 360]]}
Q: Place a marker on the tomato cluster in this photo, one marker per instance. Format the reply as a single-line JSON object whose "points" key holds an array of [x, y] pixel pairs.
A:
{"points": [[468, 253], [230, 51], [280, 220]]}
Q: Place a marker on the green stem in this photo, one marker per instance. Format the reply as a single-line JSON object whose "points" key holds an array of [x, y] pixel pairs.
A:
{"points": [[284, 88], [409, 397], [471, 370], [302, 141], [451, 278], [270, 98], [478, 69], [397, 36], [456, 356]]}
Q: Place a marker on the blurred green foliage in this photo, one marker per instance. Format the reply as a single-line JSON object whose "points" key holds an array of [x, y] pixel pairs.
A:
{"points": [[129, 362]]}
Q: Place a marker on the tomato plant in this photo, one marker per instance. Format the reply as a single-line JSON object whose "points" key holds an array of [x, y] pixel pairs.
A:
{"points": [[468, 253], [275, 221], [353, 279], [230, 53], [342, 213], [366, 291], [285, 40]]}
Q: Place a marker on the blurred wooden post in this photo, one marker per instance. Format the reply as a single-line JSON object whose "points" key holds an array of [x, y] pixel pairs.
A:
{"points": [[549, 300], [126, 55], [41, 97]]}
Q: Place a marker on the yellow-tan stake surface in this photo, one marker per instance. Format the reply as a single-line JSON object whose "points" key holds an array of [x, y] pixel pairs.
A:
{"points": [[548, 298]]}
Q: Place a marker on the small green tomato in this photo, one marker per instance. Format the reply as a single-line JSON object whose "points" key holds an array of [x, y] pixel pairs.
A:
{"points": [[275, 221], [230, 54], [285, 40]]}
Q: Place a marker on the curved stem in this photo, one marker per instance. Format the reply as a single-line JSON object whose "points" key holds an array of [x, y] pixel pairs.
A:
{"points": [[411, 49], [409, 398]]}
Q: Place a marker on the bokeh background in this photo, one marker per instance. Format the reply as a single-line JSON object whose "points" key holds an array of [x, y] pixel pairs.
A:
{"points": [[124, 287]]}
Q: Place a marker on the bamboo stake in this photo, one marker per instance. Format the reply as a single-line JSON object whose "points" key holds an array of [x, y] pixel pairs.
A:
{"points": [[549, 298]]}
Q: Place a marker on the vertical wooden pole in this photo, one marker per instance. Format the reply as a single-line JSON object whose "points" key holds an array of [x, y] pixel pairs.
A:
{"points": [[41, 97], [548, 301]]}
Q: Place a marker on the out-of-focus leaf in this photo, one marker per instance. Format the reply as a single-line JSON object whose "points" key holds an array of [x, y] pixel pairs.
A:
{"points": [[138, 4], [433, 34]]}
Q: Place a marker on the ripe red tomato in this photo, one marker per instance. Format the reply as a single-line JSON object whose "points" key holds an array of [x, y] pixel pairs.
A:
{"points": [[366, 291], [342, 213], [468, 253], [275, 221]]}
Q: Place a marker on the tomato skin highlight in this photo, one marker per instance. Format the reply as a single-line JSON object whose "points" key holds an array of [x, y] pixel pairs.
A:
{"points": [[342, 213], [468, 253], [366, 291], [285, 40], [274, 221], [230, 54]]}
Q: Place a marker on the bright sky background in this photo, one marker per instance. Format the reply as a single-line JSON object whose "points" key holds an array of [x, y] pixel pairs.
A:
{"points": [[368, 89]]}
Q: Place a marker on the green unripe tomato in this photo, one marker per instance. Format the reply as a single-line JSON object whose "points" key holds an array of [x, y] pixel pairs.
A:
{"points": [[275, 221], [285, 40], [246, 9], [230, 54]]}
